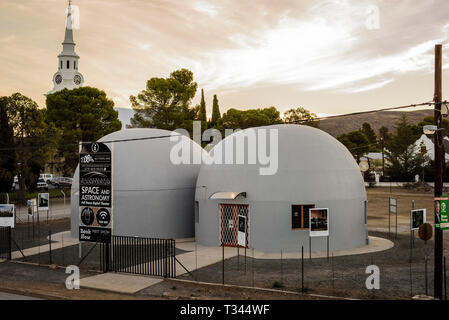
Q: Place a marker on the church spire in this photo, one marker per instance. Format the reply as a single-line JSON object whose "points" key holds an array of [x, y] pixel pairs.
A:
{"points": [[68, 39]]}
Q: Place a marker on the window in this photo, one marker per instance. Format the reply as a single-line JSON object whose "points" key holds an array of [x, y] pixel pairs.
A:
{"points": [[197, 212], [300, 216], [366, 216], [68, 64], [61, 65], [74, 64]]}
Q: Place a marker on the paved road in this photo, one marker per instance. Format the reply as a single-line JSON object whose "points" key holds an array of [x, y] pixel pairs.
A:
{"points": [[10, 296], [57, 211]]}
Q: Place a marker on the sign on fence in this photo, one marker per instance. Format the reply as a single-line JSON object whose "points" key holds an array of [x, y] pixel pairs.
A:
{"points": [[442, 213], [393, 205], [7, 213], [43, 201], [95, 192], [31, 204], [319, 222], [417, 218]]}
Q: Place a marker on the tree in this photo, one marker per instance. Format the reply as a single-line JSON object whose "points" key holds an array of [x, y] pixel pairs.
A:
{"points": [[242, 119], [301, 116], [356, 142], [203, 112], [8, 162], [165, 103], [82, 114], [403, 163], [369, 132], [34, 139], [216, 115]]}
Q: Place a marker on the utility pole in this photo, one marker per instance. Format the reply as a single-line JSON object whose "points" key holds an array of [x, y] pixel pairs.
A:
{"points": [[438, 254]]}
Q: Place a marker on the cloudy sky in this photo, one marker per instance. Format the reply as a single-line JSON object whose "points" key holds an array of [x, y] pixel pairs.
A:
{"points": [[331, 57]]}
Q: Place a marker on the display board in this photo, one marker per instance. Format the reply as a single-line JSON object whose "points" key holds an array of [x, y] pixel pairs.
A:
{"points": [[7, 215], [31, 205], [95, 193], [43, 201], [319, 222], [417, 218]]}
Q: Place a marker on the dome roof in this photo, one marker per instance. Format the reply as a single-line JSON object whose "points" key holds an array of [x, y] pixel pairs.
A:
{"points": [[311, 165], [152, 196]]}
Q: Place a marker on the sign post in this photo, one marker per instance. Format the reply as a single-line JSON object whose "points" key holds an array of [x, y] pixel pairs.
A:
{"points": [[319, 224], [393, 208], [95, 194]]}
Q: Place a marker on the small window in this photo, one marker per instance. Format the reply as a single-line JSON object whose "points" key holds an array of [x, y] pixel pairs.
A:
{"points": [[366, 213], [197, 212], [74, 64], [300, 216], [68, 64], [60, 65]]}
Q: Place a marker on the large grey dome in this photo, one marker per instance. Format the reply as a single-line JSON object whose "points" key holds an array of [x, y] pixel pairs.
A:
{"points": [[152, 197], [313, 169]]}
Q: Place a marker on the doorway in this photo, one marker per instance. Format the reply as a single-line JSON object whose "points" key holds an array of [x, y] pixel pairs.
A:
{"points": [[234, 225]]}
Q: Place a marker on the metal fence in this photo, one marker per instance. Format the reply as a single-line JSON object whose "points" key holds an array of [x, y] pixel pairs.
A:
{"points": [[145, 256], [5, 243]]}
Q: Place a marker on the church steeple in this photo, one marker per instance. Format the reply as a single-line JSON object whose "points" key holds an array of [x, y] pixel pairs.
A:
{"points": [[68, 75]]}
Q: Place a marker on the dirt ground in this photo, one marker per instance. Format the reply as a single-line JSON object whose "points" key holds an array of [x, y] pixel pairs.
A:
{"points": [[402, 268]]}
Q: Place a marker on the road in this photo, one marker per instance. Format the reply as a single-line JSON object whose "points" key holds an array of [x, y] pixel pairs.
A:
{"points": [[11, 296], [58, 210]]}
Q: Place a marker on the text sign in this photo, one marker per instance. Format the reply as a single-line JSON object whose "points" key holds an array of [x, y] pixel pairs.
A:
{"points": [[442, 213], [95, 192]]}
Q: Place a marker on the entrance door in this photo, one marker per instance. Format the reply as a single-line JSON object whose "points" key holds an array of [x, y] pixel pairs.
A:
{"points": [[234, 225]]}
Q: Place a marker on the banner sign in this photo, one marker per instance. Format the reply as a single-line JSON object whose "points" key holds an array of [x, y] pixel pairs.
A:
{"points": [[417, 218], [7, 213], [319, 222], [442, 213], [95, 192], [43, 201]]}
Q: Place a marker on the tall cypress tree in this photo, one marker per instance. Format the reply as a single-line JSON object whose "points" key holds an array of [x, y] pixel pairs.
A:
{"points": [[215, 112], [8, 155], [203, 116]]}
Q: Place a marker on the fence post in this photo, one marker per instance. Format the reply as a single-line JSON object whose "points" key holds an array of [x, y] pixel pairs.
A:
{"points": [[9, 243], [302, 269], [166, 258], [49, 244]]}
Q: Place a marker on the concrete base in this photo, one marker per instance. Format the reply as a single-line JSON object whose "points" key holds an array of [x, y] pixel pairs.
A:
{"points": [[121, 283]]}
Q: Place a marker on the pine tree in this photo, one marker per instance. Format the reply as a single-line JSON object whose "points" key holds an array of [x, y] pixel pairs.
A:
{"points": [[202, 115], [7, 156], [215, 112]]}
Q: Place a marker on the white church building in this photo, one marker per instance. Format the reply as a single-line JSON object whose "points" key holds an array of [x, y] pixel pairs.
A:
{"points": [[67, 76]]}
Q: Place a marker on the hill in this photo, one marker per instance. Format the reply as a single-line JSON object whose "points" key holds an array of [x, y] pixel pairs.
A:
{"points": [[338, 126]]}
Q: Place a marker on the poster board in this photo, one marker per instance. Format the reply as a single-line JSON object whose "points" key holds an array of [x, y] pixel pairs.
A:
{"points": [[442, 213], [7, 215], [417, 218], [31, 205], [43, 201], [95, 190], [241, 237], [319, 222], [393, 205]]}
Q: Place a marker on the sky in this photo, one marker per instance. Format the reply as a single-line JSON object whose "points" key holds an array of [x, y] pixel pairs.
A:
{"points": [[331, 57]]}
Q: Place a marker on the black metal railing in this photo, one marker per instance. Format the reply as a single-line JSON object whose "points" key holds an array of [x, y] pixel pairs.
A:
{"points": [[145, 256], [5, 243]]}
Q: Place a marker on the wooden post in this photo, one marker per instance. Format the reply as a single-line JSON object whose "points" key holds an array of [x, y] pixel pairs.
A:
{"points": [[439, 159]]}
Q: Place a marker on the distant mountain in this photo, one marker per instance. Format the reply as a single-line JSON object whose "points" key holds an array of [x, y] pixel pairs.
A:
{"points": [[124, 115], [338, 126]]}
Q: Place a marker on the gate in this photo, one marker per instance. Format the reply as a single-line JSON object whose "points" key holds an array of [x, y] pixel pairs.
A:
{"points": [[144, 256], [5, 243], [230, 214]]}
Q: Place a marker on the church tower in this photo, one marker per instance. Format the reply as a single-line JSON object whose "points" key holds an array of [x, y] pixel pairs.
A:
{"points": [[67, 75]]}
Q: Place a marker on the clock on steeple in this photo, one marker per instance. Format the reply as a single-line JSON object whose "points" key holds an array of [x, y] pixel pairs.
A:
{"points": [[67, 75]]}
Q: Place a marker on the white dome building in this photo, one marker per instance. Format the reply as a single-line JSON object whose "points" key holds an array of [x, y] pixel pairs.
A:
{"points": [[152, 197], [313, 170]]}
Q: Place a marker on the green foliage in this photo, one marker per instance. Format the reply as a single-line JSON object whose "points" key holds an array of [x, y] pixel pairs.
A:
{"points": [[430, 121], [403, 164], [164, 104], [34, 140], [82, 114], [202, 113], [216, 115], [356, 142], [242, 119], [369, 132], [7, 154], [301, 116]]}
